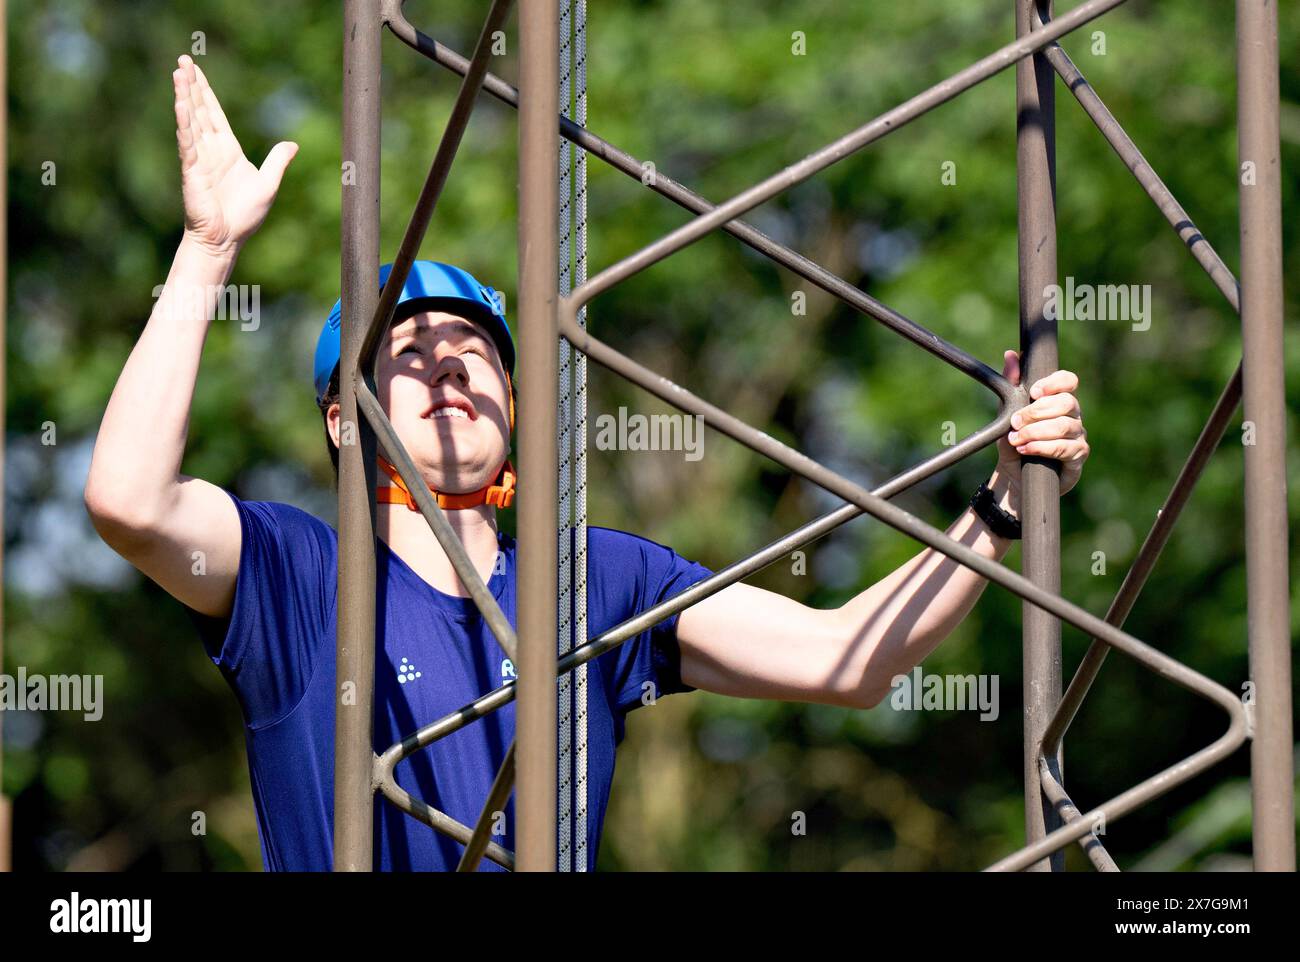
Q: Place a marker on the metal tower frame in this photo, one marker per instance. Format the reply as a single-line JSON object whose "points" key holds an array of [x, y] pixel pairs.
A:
{"points": [[546, 314]]}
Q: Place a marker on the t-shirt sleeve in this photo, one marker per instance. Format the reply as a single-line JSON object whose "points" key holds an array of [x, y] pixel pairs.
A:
{"points": [[635, 574], [284, 598]]}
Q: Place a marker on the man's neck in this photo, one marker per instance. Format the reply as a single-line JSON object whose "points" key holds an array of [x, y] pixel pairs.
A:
{"points": [[408, 534]]}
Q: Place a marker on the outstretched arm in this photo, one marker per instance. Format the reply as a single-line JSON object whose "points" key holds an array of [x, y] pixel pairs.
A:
{"points": [[753, 643], [138, 500]]}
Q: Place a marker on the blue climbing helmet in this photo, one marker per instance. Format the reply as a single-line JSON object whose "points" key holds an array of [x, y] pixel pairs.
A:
{"points": [[430, 286]]}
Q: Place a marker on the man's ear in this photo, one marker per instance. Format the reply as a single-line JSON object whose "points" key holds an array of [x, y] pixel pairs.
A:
{"points": [[332, 420]]}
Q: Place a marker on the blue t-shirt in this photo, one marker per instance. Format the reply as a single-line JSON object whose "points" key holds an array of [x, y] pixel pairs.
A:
{"points": [[434, 654]]}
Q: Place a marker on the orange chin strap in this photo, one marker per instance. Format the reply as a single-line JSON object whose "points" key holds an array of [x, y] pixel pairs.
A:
{"points": [[500, 493]]}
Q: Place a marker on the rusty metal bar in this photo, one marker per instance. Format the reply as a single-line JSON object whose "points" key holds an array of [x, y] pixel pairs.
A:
{"points": [[1136, 577], [1039, 480], [6, 811], [1264, 401], [496, 802], [1143, 792], [1146, 559], [354, 705], [1129, 153], [1067, 811], [535, 717], [441, 822], [1206, 443]]}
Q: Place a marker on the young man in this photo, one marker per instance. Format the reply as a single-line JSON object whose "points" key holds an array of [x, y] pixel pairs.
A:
{"points": [[265, 600]]}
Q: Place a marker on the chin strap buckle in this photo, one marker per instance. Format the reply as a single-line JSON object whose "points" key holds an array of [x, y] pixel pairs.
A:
{"points": [[500, 493]]}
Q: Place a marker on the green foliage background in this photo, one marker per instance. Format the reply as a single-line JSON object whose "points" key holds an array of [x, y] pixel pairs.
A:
{"points": [[712, 94]]}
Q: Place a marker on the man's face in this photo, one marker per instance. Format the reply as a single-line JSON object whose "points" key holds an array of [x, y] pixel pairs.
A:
{"points": [[442, 384]]}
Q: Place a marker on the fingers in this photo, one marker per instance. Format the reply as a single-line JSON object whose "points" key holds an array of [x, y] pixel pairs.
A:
{"points": [[1058, 382], [200, 121], [1062, 449], [1051, 426], [1011, 366], [184, 122], [1051, 429], [1052, 406], [214, 113]]}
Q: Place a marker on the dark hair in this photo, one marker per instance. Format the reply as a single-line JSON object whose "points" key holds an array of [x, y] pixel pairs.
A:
{"points": [[332, 396]]}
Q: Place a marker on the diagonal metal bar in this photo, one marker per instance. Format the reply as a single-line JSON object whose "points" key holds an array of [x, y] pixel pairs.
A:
{"points": [[837, 150], [496, 802], [1132, 585], [1128, 152], [666, 187], [1068, 812], [442, 529], [440, 821], [1150, 657], [1146, 558], [1143, 792]]}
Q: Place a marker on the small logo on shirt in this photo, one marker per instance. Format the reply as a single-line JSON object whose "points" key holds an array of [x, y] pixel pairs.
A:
{"points": [[406, 672], [507, 670]]}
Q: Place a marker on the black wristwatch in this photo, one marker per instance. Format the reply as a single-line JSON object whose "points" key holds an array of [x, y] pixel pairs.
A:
{"points": [[1001, 523]]}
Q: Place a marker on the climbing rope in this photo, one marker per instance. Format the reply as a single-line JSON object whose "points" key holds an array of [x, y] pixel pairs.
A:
{"points": [[571, 427], [580, 442]]}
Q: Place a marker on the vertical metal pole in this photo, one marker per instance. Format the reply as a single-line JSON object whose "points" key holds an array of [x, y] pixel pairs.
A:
{"points": [[1264, 399], [354, 706], [535, 714], [6, 826], [1040, 488]]}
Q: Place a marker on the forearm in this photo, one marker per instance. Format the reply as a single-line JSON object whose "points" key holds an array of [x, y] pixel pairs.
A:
{"points": [[141, 441], [898, 621]]}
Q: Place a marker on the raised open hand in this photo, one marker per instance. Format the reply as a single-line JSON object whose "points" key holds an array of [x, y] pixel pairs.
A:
{"points": [[226, 198]]}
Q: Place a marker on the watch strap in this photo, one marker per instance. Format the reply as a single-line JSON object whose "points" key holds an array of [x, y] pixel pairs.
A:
{"points": [[1002, 523]]}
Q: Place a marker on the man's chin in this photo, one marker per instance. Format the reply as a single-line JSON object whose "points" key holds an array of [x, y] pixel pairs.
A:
{"points": [[462, 482]]}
